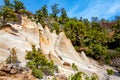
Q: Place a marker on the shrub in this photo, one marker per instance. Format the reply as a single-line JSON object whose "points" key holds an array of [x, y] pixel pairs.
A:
{"points": [[118, 49], [99, 52], [83, 76], [94, 77], [39, 64], [107, 59], [110, 72], [77, 76], [56, 68], [37, 73], [77, 48], [13, 57], [75, 68]]}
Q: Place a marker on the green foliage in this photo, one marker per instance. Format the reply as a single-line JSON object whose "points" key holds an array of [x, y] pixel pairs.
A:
{"points": [[113, 54], [83, 76], [75, 30], [44, 11], [56, 68], [39, 64], [12, 58], [75, 68], [8, 12], [99, 51], [41, 15], [77, 48], [8, 3], [77, 76], [55, 10], [63, 13], [118, 49], [56, 27], [37, 73], [96, 35], [110, 72], [96, 40], [54, 78], [94, 19], [25, 13], [107, 59], [94, 77], [38, 15], [18, 5], [8, 15], [63, 18]]}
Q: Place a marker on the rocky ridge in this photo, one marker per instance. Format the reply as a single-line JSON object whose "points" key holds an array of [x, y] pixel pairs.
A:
{"points": [[56, 47]]}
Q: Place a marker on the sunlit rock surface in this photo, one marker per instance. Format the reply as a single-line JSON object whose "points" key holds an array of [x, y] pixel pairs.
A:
{"points": [[20, 37], [56, 47]]}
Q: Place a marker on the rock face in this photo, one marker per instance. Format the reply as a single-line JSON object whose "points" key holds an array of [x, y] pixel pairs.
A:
{"points": [[8, 72], [20, 37], [60, 49], [56, 47]]}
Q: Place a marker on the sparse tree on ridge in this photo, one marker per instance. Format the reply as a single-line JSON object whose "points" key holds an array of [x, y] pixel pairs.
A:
{"points": [[7, 15], [41, 15], [63, 17], [44, 11], [55, 10], [8, 3], [18, 5]]}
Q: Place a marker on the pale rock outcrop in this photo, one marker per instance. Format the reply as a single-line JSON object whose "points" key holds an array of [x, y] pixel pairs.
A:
{"points": [[84, 58], [28, 23], [56, 47], [20, 37], [15, 73], [61, 51]]}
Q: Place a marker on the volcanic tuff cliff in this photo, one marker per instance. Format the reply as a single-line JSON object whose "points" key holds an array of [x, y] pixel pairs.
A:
{"points": [[56, 47]]}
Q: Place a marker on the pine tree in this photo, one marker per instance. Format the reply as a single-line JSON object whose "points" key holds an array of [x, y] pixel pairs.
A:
{"points": [[55, 10], [18, 5]]}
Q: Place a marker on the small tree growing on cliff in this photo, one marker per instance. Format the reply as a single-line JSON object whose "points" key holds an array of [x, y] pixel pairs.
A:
{"points": [[75, 68], [39, 64], [12, 59], [110, 72], [83, 76], [18, 5]]}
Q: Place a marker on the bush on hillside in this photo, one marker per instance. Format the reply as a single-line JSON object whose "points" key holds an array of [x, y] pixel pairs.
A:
{"points": [[12, 59], [74, 67], [39, 64], [110, 72], [83, 76]]}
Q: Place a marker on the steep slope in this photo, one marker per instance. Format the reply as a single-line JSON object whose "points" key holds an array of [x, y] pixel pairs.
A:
{"points": [[56, 47], [60, 49], [20, 37]]}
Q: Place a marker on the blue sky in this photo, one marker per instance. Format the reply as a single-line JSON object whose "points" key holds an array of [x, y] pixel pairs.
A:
{"points": [[79, 8]]}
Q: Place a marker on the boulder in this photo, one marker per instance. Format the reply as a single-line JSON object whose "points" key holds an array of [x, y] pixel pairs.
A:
{"points": [[5, 69], [66, 64], [14, 71]]}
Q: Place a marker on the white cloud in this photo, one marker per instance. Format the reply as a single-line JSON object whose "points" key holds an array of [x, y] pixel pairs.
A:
{"points": [[98, 8], [114, 9], [77, 6]]}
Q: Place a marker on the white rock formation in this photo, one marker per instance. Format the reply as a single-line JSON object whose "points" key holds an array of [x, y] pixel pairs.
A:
{"points": [[56, 47], [20, 37]]}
